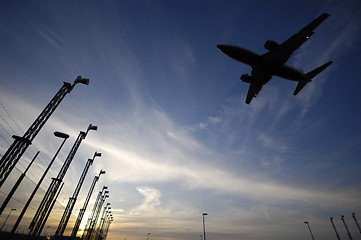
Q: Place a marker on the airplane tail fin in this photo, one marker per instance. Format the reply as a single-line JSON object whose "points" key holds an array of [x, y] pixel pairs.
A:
{"points": [[311, 75]]}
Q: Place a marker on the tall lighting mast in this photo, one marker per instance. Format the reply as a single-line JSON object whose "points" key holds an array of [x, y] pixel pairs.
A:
{"points": [[69, 208], [20, 144], [85, 205], [45, 206]]}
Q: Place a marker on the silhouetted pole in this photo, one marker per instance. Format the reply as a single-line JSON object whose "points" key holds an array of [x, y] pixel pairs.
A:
{"points": [[334, 227], [13, 209], [344, 223], [44, 208], [95, 220], [87, 226], [204, 226], [82, 210], [107, 228], [310, 230], [51, 207], [102, 219], [20, 179], [57, 134], [358, 226], [69, 208], [147, 235], [20, 144]]}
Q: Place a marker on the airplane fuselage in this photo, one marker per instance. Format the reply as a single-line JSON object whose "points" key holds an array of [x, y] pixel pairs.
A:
{"points": [[258, 62]]}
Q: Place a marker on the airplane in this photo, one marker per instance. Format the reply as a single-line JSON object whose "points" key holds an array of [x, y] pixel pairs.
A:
{"points": [[272, 63]]}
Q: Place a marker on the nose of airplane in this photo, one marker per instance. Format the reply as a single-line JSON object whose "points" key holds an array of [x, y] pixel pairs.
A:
{"points": [[226, 49], [222, 47]]}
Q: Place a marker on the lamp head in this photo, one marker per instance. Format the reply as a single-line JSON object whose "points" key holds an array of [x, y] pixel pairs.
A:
{"points": [[101, 172], [61, 135], [97, 154], [306, 222], [13, 209], [105, 187], [79, 79], [106, 192], [92, 127], [108, 203], [205, 214]]}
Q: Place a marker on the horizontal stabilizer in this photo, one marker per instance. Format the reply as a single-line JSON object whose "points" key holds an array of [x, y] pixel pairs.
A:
{"points": [[299, 86], [311, 75], [316, 71]]}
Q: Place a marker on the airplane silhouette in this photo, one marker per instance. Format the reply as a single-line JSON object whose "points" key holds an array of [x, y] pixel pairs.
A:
{"points": [[273, 62]]}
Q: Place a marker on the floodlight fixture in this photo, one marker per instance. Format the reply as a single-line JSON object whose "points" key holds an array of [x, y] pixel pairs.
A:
{"points": [[92, 127], [61, 135], [79, 79], [97, 154]]}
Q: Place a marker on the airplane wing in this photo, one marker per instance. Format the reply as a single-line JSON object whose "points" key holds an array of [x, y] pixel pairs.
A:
{"points": [[258, 80], [286, 49]]}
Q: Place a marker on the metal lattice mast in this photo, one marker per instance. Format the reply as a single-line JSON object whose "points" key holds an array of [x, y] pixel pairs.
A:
{"points": [[103, 223], [92, 216], [102, 219], [57, 134], [51, 207], [69, 208], [44, 207], [20, 179], [82, 210], [20, 144], [107, 227], [95, 219]]}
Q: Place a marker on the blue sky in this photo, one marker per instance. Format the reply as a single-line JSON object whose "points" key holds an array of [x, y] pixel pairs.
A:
{"points": [[176, 136]]}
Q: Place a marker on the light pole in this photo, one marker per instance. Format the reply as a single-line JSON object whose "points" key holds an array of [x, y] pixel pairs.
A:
{"points": [[69, 208], [17, 149], [354, 218], [13, 209], [204, 226], [59, 135], [45, 205], [82, 210], [16, 185], [344, 223], [310, 230], [334, 227]]}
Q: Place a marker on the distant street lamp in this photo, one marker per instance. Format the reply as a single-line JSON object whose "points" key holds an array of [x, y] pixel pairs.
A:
{"points": [[310, 230], [354, 218], [13, 209], [344, 223], [204, 226]]}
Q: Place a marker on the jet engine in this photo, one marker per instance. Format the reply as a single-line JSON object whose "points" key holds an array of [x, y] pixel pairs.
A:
{"points": [[246, 78], [271, 45]]}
